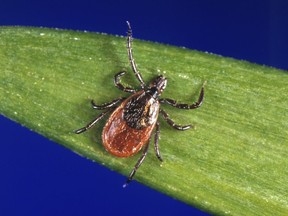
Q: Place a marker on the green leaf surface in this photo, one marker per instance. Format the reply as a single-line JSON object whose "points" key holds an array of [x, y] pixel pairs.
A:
{"points": [[235, 160]]}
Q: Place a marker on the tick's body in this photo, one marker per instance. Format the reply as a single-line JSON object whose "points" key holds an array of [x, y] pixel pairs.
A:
{"points": [[131, 123]]}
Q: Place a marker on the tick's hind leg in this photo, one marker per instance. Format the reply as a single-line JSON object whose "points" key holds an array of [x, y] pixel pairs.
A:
{"points": [[119, 85], [172, 123], [138, 164], [195, 105], [92, 123], [107, 105]]}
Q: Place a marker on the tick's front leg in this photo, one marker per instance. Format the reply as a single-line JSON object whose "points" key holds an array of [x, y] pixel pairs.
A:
{"points": [[131, 59]]}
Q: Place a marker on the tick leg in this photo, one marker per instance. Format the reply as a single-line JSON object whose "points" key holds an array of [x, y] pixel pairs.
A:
{"points": [[172, 123], [138, 164], [131, 59], [92, 123], [119, 85], [156, 140], [107, 105], [195, 105]]}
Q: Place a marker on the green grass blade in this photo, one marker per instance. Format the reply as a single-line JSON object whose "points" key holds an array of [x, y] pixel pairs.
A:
{"points": [[236, 160]]}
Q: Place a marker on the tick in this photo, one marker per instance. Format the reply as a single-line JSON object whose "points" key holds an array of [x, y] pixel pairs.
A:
{"points": [[133, 119]]}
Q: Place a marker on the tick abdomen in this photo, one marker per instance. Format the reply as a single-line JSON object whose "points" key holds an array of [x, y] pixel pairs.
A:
{"points": [[130, 125]]}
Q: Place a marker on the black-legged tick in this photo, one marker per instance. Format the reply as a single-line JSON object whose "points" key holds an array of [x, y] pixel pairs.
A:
{"points": [[130, 126]]}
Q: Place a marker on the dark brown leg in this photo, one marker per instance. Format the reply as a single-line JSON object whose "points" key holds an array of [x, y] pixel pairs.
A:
{"points": [[172, 123], [131, 59], [107, 105], [138, 164], [156, 140], [92, 123], [174, 103], [119, 85]]}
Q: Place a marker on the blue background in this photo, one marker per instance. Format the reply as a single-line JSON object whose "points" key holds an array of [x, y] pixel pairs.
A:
{"points": [[39, 177]]}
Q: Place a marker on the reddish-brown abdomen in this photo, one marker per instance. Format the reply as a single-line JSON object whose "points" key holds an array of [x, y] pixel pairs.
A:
{"points": [[121, 140]]}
